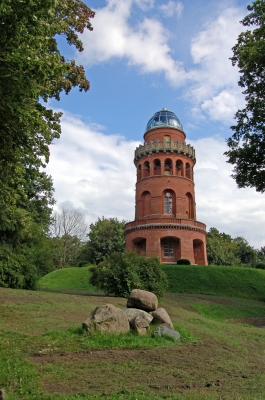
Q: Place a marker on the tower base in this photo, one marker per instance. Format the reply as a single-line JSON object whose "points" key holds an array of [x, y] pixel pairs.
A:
{"points": [[169, 241]]}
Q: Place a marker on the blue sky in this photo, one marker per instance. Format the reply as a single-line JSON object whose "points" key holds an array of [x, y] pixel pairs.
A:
{"points": [[144, 55]]}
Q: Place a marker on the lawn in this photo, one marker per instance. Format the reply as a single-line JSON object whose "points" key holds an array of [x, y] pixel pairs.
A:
{"points": [[213, 280]]}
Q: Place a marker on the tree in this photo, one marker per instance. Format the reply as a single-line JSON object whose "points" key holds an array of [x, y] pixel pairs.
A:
{"points": [[67, 230], [119, 273], [32, 70], [106, 236], [247, 144], [220, 248]]}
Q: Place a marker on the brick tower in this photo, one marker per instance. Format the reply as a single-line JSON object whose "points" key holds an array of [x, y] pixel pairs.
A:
{"points": [[165, 222]]}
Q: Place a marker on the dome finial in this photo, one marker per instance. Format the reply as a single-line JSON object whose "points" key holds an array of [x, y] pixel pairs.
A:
{"points": [[164, 118]]}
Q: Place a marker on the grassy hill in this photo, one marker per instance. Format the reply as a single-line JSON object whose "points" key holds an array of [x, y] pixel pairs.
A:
{"points": [[216, 280], [67, 278], [213, 280]]}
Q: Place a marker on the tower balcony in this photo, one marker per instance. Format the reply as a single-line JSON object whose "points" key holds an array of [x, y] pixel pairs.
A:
{"points": [[165, 223], [165, 147]]}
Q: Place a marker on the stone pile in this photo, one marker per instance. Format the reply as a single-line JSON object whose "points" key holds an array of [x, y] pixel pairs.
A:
{"points": [[142, 310]]}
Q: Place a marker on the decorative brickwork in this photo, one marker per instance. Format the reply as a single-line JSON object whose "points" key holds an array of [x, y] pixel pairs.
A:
{"points": [[165, 210]]}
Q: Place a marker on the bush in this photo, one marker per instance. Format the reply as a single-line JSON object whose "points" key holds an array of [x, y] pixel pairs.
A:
{"points": [[183, 261], [120, 273], [260, 265]]}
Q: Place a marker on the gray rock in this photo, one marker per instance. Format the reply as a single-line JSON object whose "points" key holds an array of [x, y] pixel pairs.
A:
{"points": [[3, 395], [142, 299], [164, 331], [107, 319], [139, 322], [161, 317], [135, 312]]}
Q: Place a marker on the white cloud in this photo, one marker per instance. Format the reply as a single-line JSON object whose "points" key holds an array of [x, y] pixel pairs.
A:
{"points": [[220, 204], [172, 8], [94, 172], [211, 81], [144, 45], [215, 90]]}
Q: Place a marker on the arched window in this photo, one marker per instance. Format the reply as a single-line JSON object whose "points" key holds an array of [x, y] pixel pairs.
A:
{"points": [[168, 167], [145, 204], [179, 167], [168, 203], [188, 171], [168, 248], [139, 172], [189, 206], [157, 167], [146, 169]]}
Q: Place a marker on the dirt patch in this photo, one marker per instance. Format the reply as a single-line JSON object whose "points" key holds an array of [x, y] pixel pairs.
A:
{"points": [[259, 322], [197, 367]]}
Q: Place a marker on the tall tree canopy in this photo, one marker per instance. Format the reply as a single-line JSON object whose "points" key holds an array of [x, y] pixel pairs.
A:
{"points": [[247, 144], [32, 70], [106, 236], [222, 249]]}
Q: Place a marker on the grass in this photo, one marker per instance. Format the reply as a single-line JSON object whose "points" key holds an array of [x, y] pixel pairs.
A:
{"points": [[74, 278], [216, 280], [222, 312], [212, 280]]}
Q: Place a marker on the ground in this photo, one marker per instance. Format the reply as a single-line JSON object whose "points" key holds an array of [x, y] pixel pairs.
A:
{"points": [[221, 360]]}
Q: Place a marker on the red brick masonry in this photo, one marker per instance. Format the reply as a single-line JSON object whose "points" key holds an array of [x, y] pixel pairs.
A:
{"points": [[165, 210]]}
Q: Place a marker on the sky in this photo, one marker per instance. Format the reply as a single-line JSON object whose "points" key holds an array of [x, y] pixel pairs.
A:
{"points": [[142, 56]]}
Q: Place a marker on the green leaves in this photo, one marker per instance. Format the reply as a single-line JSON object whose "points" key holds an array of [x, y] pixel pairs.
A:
{"points": [[32, 70], [120, 273], [106, 236], [247, 144]]}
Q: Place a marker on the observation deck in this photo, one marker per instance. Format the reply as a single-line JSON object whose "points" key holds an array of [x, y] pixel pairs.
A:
{"points": [[165, 147]]}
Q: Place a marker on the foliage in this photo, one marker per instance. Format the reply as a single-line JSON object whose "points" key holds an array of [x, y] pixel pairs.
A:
{"points": [[32, 70], [247, 144], [106, 236], [222, 249], [183, 261], [67, 230], [120, 273], [260, 265]]}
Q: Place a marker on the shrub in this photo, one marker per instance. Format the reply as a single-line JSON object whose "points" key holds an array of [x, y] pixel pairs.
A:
{"points": [[183, 261], [260, 265], [120, 273]]}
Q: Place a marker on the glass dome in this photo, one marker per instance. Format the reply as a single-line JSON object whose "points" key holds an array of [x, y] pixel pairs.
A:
{"points": [[164, 118]]}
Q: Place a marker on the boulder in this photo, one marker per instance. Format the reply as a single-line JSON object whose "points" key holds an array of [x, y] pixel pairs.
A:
{"points": [[135, 312], [139, 322], [142, 299], [161, 317], [164, 331], [141, 331], [107, 319], [3, 395]]}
